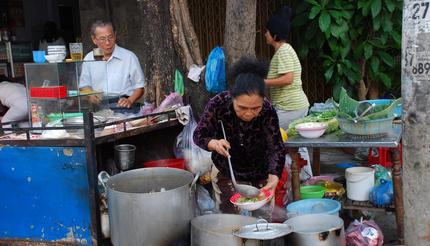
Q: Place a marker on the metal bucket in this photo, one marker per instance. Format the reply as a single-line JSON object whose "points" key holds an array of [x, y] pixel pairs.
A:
{"points": [[150, 206], [124, 156]]}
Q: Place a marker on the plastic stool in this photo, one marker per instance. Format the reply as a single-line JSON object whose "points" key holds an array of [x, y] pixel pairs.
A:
{"points": [[383, 157]]}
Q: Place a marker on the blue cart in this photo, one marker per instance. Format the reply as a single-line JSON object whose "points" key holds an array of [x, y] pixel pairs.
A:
{"points": [[48, 188]]}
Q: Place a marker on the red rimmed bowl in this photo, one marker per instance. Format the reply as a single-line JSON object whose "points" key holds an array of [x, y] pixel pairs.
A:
{"points": [[250, 206]]}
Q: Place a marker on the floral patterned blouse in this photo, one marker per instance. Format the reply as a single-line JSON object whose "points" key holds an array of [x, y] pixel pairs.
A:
{"points": [[256, 146]]}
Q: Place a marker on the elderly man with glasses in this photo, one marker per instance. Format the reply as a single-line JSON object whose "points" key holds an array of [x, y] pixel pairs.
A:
{"points": [[122, 71]]}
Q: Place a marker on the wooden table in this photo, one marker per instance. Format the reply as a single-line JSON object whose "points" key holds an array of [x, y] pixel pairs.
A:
{"points": [[335, 140]]}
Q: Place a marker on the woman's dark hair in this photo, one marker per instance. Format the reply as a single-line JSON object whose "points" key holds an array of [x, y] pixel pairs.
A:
{"points": [[248, 76], [51, 32], [279, 24]]}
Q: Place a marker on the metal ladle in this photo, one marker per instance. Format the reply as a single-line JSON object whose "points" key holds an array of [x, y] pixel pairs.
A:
{"points": [[363, 108], [247, 191]]}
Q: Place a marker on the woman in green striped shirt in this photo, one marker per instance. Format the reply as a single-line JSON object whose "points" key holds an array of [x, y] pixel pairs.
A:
{"points": [[284, 77]]}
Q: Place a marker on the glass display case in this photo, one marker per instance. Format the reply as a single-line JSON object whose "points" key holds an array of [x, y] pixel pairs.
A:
{"points": [[58, 91]]}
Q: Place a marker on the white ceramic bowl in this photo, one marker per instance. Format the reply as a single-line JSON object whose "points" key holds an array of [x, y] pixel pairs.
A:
{"points": [[55, 58], [251, 206], [311, 129]]}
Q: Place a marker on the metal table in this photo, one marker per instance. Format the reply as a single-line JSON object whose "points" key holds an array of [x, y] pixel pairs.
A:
{"points": [[335, 140]]}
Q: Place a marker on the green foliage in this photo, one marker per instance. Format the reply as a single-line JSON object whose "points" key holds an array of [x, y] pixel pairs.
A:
{"points": [[345, 35]]}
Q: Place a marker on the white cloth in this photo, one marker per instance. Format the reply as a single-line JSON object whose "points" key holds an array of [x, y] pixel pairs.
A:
{"points": [[183, 114], [13, 96], [194, 72], [122, 72]]}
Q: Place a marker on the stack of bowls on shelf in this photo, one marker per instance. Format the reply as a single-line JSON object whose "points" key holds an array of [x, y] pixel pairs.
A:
{"points": [[56, 53]]}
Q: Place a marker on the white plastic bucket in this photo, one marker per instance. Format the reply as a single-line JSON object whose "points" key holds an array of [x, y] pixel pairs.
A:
{"points": [[359, 182]]}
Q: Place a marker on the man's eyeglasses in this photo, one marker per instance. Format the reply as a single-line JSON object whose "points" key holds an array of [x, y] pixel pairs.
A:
{"points": [[103, 39]]}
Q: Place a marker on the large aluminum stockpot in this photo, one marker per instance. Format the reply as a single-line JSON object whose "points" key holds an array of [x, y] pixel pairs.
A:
{"points": [[217, 229], [150, 206], [316, 229]]}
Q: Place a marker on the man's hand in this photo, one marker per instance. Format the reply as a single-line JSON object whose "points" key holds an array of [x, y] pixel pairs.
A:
{"points": [[95, 99], [272, 182], [124, 102], [220, 146]]}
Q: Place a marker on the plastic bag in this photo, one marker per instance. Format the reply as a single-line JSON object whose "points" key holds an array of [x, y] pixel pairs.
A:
{"points": [[383, 194], [381, 173], [215, 71], [198, 160], [205, 203], [173, 99], [364, 233], [179, 83], [147, 108]]}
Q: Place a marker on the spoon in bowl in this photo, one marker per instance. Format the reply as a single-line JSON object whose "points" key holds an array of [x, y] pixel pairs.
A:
{"points": [[247, 191]]}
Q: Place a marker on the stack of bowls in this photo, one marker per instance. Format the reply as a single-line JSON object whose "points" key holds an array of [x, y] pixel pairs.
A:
{"points": [[56, 53]]}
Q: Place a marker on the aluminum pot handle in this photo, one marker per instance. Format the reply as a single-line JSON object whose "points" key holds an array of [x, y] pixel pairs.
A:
{"points": [[262, 221], [103, 177]]}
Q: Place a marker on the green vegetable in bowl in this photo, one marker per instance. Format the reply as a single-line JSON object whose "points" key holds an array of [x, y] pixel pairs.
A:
{"points": [[328, 117], [246, 200]]}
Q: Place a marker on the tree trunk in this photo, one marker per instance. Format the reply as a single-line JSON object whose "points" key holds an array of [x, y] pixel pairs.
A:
{"points": [[240, 29], [188, 48], [416, 117], [373, 90], [361, 88]]}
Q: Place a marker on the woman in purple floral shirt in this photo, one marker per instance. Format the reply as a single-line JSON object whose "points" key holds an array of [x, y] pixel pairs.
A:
{"points": [[252, 129]]}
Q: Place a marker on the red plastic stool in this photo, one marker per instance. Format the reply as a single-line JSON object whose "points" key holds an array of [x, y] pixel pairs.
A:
{"points": [[383, 157]]}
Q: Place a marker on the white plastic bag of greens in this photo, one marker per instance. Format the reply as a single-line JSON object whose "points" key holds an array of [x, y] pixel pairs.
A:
{"points": [[197, 160]]}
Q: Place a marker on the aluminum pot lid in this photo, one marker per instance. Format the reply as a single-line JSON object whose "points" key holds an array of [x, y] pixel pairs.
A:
{"points": [[263, 230]]}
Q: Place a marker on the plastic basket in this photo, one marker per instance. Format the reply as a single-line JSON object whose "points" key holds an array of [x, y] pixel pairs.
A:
{"points": [[368, 127]]}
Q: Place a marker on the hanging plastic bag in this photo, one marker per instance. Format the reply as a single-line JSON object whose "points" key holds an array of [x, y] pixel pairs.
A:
{"points": [[215, 71], [205, 204], [364, 233], [381, 173], [383, 194], [198, 160], [179, 82]]}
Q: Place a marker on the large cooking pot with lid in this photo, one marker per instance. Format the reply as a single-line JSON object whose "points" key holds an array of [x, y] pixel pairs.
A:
{"points": [[316, 230], [219, 229], [150, 206]]}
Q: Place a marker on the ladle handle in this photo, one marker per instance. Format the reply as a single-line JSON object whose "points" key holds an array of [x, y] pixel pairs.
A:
{"points": [[228, 158]]}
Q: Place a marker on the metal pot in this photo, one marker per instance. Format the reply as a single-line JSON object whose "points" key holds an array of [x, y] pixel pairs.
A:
{"points": [[217, 229], [150, 206], [316, 229], [124, 155]]}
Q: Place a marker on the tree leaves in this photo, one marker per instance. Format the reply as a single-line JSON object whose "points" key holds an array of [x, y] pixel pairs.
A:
{"points": [[324, 21], [342, 34], [314, 12], [375, 7]]}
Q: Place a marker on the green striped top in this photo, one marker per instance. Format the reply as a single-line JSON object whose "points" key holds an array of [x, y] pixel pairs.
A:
{"points": [[289, 97]]}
